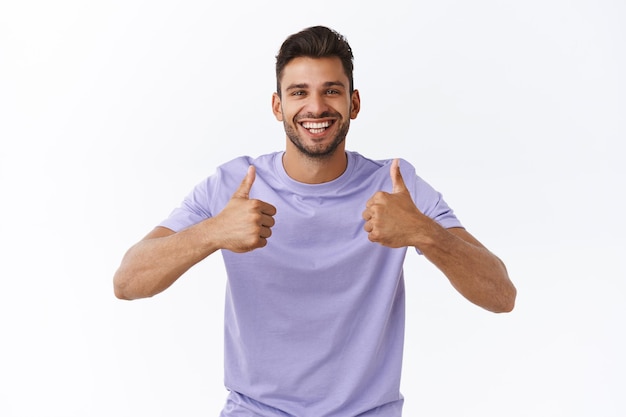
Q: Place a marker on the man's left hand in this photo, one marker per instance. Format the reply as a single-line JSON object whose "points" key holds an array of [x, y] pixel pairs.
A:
{"points": [[392, 219]]}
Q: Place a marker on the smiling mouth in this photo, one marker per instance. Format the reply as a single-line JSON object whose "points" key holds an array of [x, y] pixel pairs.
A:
{"points": [[316, 127]]}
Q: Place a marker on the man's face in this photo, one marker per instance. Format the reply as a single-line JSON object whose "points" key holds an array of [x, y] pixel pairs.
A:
{"points": [[316, 105]]}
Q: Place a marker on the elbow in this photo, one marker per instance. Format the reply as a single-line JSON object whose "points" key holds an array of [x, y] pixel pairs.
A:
{"points": [[120, 287], [120, 294], [505, 308], [507, 294], [507, 301], [128, 286]]}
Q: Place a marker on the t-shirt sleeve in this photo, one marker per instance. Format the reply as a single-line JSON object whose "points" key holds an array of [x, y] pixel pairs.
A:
{"points": [[430, 202], [194, 208], [208, 197]]}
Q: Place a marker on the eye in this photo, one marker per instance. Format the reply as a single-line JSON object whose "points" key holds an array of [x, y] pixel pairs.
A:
{"points": [[332, 91], [298, 93]]}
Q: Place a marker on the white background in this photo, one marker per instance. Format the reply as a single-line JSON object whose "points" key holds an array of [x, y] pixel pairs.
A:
{"points": [[111, 111]]}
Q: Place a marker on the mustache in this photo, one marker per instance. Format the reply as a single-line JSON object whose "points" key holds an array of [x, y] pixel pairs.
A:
{"points": [[323, 115]]}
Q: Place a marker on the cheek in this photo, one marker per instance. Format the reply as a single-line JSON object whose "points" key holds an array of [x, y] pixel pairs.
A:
{"points": [[289, 113]]}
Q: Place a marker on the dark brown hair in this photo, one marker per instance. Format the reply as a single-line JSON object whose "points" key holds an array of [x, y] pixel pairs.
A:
{"points": [[315, 42]]}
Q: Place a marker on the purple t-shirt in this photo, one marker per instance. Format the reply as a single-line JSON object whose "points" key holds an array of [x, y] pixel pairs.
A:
{"points": [[314, 321]]}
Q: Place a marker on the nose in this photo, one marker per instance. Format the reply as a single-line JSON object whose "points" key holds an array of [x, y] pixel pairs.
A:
{"points": [[317, 104]]}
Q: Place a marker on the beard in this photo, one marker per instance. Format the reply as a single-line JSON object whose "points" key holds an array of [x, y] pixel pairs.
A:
{"points": [[318, 151]]}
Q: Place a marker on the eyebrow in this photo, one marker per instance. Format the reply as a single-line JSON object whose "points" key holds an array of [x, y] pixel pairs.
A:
{"points": [[325, 85]]}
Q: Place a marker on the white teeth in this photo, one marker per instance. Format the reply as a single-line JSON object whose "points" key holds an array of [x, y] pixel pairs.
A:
{"points": [[319, 125]]}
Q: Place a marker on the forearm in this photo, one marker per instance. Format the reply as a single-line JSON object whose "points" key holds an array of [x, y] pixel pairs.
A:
{"points": [[393, 220], [153, 264], [473, 270], [157, 261]]}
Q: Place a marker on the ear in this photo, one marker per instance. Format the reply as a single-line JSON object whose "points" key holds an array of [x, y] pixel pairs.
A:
{"points": [[356, 104], [277, 109]]}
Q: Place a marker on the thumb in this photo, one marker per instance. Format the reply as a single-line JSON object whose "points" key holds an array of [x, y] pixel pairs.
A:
{"points": [[397, 181], [244, 188]]}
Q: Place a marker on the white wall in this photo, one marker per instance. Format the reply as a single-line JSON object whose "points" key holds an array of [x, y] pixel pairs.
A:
{"points": [[111, 111]]}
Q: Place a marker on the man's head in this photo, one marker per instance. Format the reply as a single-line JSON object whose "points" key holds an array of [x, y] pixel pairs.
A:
{"points": [[315, 42], [315, 98]]}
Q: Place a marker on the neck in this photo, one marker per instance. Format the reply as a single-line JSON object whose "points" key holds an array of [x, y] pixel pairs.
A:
{"points": [[309, 170]]}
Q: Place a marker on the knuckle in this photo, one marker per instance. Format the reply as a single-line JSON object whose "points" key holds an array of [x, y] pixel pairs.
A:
{"points": [[254, 217], [254, 204]]}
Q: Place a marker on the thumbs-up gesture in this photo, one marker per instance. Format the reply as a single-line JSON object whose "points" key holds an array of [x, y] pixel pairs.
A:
{"points": [[244, 224], [392, 219]]}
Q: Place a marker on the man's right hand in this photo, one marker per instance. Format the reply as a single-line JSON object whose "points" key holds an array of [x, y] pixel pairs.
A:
{"points": [[245, 224], [154, 263]]}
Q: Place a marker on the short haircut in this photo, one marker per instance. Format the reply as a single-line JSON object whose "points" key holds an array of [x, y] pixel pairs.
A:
{"points": [[315, 42]]}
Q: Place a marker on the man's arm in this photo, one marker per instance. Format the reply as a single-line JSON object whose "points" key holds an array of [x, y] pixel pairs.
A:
{"points": [[158, 260], [473, 270], [393, 220]]}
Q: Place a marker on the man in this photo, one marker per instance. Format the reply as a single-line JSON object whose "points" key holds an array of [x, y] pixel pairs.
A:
{"points": [[314, 248]]}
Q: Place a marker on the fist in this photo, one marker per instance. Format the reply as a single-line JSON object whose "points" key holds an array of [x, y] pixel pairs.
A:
{"points": [[391, 219], [245, 224]]}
